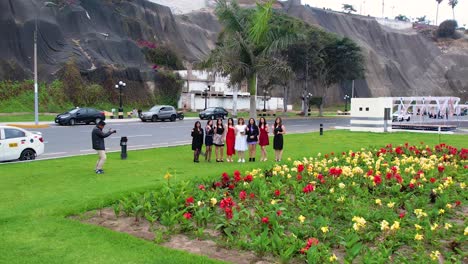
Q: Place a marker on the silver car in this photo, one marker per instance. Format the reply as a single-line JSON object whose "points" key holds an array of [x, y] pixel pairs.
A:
{"points": [[159, 112]]}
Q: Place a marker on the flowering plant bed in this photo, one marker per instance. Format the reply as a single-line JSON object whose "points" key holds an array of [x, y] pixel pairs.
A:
{"points": [[403, 204]]}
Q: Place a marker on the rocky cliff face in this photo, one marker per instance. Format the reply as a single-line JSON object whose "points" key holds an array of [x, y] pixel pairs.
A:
{"points": [[101, 36]]}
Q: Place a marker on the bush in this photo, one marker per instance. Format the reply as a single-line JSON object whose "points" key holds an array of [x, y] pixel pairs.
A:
{"points": [[447, 29], [170, 88], [164, 56]]}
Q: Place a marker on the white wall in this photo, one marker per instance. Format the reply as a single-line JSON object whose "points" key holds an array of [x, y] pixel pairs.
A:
{"points": [[196, 103], [367, 114], [182, 6], [395, 24]]}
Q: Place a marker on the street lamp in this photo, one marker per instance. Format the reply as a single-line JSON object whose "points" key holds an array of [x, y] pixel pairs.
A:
{"points": [[120, 86], [265, 94], [308, 96], [205, 93], [36, 86], [346, 97]]}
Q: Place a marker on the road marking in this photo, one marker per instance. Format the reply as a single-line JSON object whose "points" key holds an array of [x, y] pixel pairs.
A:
{"points": [[133, 136], [52, 154]]}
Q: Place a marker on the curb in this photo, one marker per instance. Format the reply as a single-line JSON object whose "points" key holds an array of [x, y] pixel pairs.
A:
{"points": [[29, 125]]}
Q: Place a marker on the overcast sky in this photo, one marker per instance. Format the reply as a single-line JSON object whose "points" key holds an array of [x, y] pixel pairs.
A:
{"points": [[410, 8]]}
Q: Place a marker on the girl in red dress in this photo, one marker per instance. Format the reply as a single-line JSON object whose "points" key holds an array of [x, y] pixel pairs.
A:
{"points": [[230, 140], [263, 140]]}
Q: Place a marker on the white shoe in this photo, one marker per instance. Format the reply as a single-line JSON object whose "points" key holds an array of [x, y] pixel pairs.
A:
{"points": [[243, 160], [239, 160], [265, 159]]}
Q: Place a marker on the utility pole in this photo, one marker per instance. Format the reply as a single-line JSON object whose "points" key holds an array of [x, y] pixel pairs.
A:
{"points": [[383, 8], [36, 93]]}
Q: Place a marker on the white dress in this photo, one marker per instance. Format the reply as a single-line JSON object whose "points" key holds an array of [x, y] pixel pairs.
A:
{"points": [[241, 140]]}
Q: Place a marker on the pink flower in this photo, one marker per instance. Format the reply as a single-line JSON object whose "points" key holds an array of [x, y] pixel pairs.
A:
{"points": [[188, 216], [265, 220], [242, 195], [279, 213], [402, 215], [201, 187], [189, 200]]}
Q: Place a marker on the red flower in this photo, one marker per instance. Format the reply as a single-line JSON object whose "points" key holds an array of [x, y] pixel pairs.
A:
{"points": [[242, 195], [309, 188], [277, 193], [370, 172], [411, 185], [377, 179], [457, 203], [265, 220], [228, 212], [300, 168], [188, 216], [398, 178], [218, 184], [248, 178], [231, 186], [201, 187], [252, 195], [237, 178], [225, 177], [432, 180], [312, 242], [236, 173], [299, 177], [226, 203], [402, 215], [189, 200], [388, 176], [441, 168], [279, 213], [465, 167]]}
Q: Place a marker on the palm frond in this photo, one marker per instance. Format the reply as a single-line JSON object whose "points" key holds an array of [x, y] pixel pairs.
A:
{"points": [[260, 22]]}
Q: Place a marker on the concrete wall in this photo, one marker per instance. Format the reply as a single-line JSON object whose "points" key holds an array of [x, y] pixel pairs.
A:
{"points": [[183, 6], [367, 114], [190, 101]]}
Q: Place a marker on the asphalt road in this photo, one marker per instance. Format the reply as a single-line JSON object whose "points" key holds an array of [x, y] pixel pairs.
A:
{"points": [[62, 141]]}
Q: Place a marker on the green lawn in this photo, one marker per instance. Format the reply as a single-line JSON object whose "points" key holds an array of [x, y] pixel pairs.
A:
{"points": [[36, 197], [25, 118]]}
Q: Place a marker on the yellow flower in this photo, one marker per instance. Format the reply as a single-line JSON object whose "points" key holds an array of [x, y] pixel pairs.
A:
{"points": [[301, 218], [390, 205], [333, 258], [332, 190], [324, 229], [462, 185], [465, 233], [378, 202], [395, 226], [441, 211], [359, 223], [167, 176], [449, 206], [435, 255], [341, 199], [447, 226], [200, 203], [418, 227], [384, 225], [273, 202], [418, 237], [213, 201], [434, 227], [419, 213], [341, 185]]}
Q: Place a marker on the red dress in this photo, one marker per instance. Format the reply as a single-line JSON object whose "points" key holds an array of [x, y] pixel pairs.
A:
{"points": [[230, 140], [263, 139]]}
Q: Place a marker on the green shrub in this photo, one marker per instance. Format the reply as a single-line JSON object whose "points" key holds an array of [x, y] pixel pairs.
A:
{"points": [[170, 87], [447, 29], [164, 56]]}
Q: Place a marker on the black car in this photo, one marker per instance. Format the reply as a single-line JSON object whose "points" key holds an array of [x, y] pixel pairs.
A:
{"points": [[80, 115], [214, 113]]}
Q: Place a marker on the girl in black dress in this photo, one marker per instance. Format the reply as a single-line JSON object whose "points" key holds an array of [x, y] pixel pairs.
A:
{"points": [[209, 131], [197, 140], [278, 131], [218, 139], [252, 138]]}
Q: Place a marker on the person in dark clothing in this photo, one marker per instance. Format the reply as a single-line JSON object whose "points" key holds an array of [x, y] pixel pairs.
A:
{"points": [[209, 132], [197, 140], [278, 131], [252, 138], [97, 137]]}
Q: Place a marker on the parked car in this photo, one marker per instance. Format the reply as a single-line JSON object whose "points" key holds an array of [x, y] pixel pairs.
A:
{"points": [[80, 115], [159, 112], [17, 143], [213, 113]]}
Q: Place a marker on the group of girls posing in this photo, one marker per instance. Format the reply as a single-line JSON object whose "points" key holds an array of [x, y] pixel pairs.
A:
{"points": [[240, 138]]}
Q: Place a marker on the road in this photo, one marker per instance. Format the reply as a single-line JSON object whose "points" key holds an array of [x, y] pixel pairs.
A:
{"points": [[63, 141]]}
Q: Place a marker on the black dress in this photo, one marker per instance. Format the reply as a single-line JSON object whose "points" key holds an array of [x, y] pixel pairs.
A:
{"points": [[197, 139], [252, 134], [278, 138], [209, 136]]}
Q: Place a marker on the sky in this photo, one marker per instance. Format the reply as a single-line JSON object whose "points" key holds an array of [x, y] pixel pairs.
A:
{"points": [[409, 8]]}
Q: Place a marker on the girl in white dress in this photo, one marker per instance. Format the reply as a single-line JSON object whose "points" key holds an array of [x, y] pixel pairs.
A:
{"points": [[241, 139]]}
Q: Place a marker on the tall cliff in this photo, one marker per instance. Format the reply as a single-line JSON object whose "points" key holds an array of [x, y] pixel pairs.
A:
{"points": [[101, 36]]}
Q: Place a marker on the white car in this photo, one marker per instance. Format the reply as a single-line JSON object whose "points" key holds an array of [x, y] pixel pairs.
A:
{"points": [[17, 143]]}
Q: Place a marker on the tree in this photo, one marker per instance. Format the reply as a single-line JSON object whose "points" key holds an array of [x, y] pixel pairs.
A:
{"points": [[437, 12], [348, 8], [249, 39], [422, 20], [453, 3], [401, 17], [447, 29]]}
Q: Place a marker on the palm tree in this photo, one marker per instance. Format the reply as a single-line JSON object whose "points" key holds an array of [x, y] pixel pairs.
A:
{"points": [[453, 3], [249, 39], [437, 13]]}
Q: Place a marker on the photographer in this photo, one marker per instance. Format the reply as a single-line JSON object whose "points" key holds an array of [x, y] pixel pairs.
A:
{"points": [[97, 137]]}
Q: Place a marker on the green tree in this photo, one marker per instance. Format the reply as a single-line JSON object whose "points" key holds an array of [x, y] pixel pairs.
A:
{"points": [[348, 8], [452, 4], [437, 12], [249, 39]]}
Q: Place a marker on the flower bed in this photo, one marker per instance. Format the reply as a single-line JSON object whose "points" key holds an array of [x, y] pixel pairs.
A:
{"points": [[404, 203]]}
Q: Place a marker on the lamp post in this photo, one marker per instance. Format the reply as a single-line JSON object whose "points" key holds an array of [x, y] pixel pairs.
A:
{"points": [[346, 97], [308, 96], [265, 93], [205, 93], [120, 86], [36, 86]]}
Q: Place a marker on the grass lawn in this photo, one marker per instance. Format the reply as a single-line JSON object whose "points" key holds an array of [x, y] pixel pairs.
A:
{"points": [[25, 118], [36, 197]]}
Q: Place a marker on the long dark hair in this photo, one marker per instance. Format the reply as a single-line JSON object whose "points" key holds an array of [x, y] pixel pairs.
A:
{"points": [[280, 123], [232, 122], [260, 123], [218, 121], [195, 127], [254, 125], [208, 123]]}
